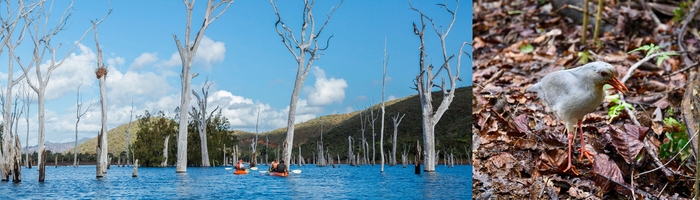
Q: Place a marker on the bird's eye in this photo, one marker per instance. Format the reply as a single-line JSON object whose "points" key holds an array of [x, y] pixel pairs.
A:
{"points": [[604, 74]]}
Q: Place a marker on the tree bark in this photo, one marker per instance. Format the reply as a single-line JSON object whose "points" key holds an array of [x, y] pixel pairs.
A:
{"points": [[397, 121], [136, 168], [165, 151], [98, 151], [381, 133], [187, 53], [201, 118], [424, 84]]}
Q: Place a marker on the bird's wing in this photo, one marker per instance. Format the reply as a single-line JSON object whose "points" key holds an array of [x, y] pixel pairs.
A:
{"points": [[559, 86]]}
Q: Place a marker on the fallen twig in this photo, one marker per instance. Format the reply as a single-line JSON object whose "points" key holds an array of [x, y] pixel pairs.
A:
{"points": [[639, 63]]}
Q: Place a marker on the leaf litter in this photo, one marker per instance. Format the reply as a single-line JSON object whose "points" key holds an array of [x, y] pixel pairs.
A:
{"points": [[520, 149]]}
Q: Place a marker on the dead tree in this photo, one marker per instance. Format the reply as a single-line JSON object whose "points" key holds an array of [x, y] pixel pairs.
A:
{"points": [[78, 114], [424, 82], [371, 120], [128, 134], [254, 144], [350, 154], [201, 118], [397, 121], [165, 151], [27, 95], [307, 44], [381, 133], [101, 74], [187, 53], [362, 129], [41, 34], [9, 26]]}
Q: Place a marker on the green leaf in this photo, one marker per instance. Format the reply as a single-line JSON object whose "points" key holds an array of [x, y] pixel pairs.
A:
{"points": [[526, 48]]}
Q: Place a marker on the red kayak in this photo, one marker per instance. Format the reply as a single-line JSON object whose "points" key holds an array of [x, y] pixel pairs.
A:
{"points": [[245, 171], [277, 174]]}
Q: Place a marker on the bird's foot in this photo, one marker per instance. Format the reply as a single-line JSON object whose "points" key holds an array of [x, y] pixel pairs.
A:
{"points": [[572, 168], [586, 153]]}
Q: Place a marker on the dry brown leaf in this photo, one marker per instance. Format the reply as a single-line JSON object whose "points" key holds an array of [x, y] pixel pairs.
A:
{"points": [[627, 142], [521, 123], [606, 169]]}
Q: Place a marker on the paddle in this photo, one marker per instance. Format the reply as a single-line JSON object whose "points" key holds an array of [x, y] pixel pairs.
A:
{"points": [[228, 168], [296, 171], [254, 168]]}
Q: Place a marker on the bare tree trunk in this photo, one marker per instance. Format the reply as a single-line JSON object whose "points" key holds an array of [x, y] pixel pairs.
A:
{"points": [[78, 115], [424, 84], [371, 120], [187, 53], [397, 121], [98, 151], [165, 151], [101, 74], [41, 36], [128, 134], [9, 26], [136, 168], [201, 119], [27, 99], [349, 151], [306, 45], [381, 133]]}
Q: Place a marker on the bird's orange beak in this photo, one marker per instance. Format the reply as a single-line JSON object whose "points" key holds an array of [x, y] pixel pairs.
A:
{"points": [[618, 85]]}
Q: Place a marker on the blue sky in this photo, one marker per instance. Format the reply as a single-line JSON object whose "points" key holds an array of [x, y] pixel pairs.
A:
{"points": [[243, 55]]}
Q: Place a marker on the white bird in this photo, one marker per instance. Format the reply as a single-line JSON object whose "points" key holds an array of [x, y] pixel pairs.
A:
{"points": [[573, 93]]}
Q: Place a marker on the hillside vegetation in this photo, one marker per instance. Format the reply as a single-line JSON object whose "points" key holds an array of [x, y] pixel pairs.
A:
{"points": [[453, 132]]}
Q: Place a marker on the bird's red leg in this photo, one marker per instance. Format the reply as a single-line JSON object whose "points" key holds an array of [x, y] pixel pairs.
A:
{"points": [[583, 150], [570, 166]]}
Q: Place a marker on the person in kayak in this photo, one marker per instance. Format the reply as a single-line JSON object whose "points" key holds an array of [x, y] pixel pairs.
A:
{"points": [[274, 165], [239, 165], [281, 168]]}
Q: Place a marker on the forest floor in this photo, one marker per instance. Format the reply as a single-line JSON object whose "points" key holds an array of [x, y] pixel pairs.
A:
{"points": [[520, 150]]}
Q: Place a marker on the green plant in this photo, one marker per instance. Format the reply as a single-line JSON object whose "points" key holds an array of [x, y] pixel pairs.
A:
{"points": [[651, 48], [679, 13], [585, 56], [618, 106], [528, 48], [677, 140]]}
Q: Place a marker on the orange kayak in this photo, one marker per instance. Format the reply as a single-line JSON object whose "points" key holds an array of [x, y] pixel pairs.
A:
{"points": [[241, 171], [277, 174]]}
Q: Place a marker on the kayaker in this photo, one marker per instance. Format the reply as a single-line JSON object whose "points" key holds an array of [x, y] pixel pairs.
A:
{"points": [[239, 165], [274, 165], [281, 168]]}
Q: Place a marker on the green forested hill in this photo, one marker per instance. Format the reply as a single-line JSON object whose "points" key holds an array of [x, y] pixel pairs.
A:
{"points": [[453, 132]]}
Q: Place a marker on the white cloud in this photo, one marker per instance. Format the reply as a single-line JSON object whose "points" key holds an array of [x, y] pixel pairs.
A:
{"points": [[210, 52], [115, 62], [242, 112], [173, 61], [326, 91], [391, 97], [143, 60], [76, 69], [123, 87]]}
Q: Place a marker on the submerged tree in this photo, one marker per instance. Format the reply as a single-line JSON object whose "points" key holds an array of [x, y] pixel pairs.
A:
{"points": [[78, 114], [9, 26], [307, 44], [397, 121], [149, 145], [381, 134], [200, 118], [101, 74], [41, 35], [424, 83], [187, 53]]}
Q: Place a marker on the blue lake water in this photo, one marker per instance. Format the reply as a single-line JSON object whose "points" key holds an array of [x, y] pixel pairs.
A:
{"points": [[313, 182]]}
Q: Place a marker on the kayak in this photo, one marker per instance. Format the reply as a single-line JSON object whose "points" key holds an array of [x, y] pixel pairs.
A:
{"points": [[277, 174], [241, 171]]}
